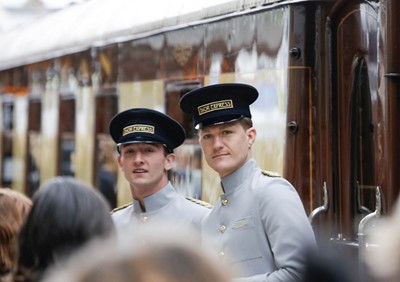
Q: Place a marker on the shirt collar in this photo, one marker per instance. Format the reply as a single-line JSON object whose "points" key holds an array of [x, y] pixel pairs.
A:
{"points": [[234, 180], [157, 200]]}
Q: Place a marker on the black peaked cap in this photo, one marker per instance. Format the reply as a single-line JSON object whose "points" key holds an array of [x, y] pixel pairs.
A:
{"points": [[140, 125], [219, 103]]}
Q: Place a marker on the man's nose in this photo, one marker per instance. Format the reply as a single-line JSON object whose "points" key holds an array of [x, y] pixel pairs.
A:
{"points": [[138, 157], [218, 143]]}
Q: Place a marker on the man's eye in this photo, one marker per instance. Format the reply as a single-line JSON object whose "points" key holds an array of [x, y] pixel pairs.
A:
{"points": [[226, 132], [206, 136], [127, 152]]}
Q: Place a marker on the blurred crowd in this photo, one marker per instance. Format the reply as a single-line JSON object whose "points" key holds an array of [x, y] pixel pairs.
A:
{"points": [[66, 234], [256, 231]]}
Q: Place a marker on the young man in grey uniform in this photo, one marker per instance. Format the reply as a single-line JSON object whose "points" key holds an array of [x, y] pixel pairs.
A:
{"points": [[258, 225], [145, 141]]}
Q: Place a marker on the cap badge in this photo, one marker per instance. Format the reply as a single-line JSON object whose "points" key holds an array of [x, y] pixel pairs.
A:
{"points": [[215, 106], [135, 128]]}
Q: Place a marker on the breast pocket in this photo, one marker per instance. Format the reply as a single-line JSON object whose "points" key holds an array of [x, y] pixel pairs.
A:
{"points": [[242, 241]]}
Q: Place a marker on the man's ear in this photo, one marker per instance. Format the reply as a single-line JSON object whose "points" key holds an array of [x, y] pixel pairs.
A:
{"points": [[169, 161], [119, 161], [251, 136]]}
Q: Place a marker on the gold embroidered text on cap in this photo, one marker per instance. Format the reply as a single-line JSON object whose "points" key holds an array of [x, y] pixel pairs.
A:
{"points": [[134, 128], [215, 106]]}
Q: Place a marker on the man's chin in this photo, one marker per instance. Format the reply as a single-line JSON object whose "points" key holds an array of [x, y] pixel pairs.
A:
{"points": [[221, 170]]}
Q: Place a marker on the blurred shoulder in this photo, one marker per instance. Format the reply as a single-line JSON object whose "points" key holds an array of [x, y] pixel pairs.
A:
{"points": [[274, 182]]}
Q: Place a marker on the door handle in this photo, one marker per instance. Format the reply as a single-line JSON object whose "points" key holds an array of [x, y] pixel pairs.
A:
{"points": [[376, 213], [323, 208], [363, 224]]}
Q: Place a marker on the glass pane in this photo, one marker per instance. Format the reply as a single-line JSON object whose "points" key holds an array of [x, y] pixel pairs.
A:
{"points": [[186, 175], [107, 169], [7, 139]]}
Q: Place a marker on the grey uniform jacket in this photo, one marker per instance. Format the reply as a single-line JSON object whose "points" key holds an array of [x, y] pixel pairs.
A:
{"points": [[259, 226], [165, 206]]}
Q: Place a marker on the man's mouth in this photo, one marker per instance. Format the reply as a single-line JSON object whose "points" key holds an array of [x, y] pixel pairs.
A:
{"points": [[219, 155]]}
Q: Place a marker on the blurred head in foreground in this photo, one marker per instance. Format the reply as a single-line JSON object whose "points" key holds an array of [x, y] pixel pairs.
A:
{"points": [[14, 208], [383, 259], [143, 257], [66, 214]]}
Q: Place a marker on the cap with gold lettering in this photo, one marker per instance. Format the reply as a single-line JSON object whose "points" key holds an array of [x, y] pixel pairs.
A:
{"points": [[140, 125], [219, 103]]}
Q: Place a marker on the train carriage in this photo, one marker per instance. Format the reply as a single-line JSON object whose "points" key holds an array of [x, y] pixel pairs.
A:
{"points": [[327, 73]]}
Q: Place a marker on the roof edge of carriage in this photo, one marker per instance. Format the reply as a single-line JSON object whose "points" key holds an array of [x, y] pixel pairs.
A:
{"points": [[93, 24]]}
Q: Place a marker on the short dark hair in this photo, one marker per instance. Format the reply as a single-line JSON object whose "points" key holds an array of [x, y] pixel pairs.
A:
{"points": [[66, 213]]}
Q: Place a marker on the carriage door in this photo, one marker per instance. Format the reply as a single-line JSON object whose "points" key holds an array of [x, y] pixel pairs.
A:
{"points": [[354, 121]]}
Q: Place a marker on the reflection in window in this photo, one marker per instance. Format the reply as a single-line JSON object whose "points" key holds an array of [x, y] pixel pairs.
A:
{"points": [[67, 137], [67, 148], [174, 91], [34, 145], [6, 161], [362, 145], [34, 152], [107, 168], [186, 175], [7, 139]]}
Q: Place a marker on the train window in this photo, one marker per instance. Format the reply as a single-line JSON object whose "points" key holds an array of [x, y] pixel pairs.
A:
{"points": [[142, 52], [34, 144], [67, 149], [6, 173], [33, 168], [361, 142], [186, 175], [106, 108], [67, 142], [34, 121], [174, 92], [106, 170], [8, 112], [7, 139]]}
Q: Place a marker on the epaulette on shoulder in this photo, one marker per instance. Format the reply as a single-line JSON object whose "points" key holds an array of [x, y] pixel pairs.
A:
{"points": [[200, 202], [120, 208], [270, 173]]}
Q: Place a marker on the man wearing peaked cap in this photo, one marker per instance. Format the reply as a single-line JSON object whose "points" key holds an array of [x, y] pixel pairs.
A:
{"points": [[258, 224], [141, 125], [145, 140], [220, 103]]}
